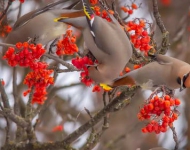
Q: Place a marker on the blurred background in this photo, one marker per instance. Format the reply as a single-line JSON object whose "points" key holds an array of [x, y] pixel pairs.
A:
{"points": [[66, 101]]}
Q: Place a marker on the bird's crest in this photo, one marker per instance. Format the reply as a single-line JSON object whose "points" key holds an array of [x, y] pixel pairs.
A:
{"points": [[89, 15]]}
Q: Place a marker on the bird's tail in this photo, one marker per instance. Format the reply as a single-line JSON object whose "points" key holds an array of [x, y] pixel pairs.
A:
{"points": [[75, 18]]}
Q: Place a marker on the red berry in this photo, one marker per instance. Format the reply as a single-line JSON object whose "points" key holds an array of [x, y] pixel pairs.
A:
{"points": [[144, 33], [167, 103], [177, 102], [167, 97], [130, 11], [134, 6]]}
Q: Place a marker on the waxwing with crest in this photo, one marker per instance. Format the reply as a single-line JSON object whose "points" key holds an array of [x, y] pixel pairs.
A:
{"points": [[165, 70], [107, 41]]}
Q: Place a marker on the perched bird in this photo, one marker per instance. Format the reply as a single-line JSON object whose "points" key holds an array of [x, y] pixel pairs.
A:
{"points": [[38, 25], [107, 42], [168, 71]]}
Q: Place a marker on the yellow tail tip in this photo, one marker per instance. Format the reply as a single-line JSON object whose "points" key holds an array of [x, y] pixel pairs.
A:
{"points": [[57, 19], [105, 87]]}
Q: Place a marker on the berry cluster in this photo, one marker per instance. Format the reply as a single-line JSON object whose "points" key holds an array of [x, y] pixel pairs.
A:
{"points": [[129, 9], [103, 13], [27, 55], [39, 78], [139, 35], [81, 64], [161, 113], [67, 44], [93, 2], [4, 29], [21, 1]]}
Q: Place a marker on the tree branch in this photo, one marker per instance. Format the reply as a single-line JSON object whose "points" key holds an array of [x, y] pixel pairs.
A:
{"points": [[165, 33], [6, 9], [4, 95], [81, 130], [69, 66]]}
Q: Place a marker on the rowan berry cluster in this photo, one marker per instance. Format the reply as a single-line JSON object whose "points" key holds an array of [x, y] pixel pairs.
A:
{"points": [[27, 55], [139, 35], [81, 64], [21, 1], [4, 29], [39, 78], [160, 112], [67, 44], [129, 9], [103, 13], [93, 2]]}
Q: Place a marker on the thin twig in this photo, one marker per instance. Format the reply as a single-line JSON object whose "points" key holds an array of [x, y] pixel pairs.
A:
{"points": [[6, 9], [28, 114], [175, 138], [4, 95], [69, 66], [15, 92], [165, 33], [7, 128], [19, 11], [7, 45]]}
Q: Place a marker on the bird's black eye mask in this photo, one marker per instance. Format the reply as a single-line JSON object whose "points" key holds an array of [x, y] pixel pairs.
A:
{"points": [[182, 81], [96, 66]]}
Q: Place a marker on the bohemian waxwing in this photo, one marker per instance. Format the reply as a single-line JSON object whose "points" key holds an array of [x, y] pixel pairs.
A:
{"points": [[107, 41], [38, 25], [168, 71]]}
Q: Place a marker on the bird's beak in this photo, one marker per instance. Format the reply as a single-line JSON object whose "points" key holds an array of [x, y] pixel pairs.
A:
{"points": [[181, 88]]}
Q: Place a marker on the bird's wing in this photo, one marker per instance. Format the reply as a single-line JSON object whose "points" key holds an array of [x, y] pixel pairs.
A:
{"points": [[163, 60], [27, 17]]}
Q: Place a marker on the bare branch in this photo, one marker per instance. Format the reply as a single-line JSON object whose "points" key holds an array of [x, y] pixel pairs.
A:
{"points": [[175, 138], [81, 130], [17, 119], [69, 66], [6, 9], [4, 95], [15, 92], [165, 33]]}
